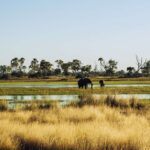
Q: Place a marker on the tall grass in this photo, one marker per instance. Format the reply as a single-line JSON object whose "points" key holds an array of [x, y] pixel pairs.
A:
{"points": [[72, 91], [109, 100], [92, 125], [3, 105]]}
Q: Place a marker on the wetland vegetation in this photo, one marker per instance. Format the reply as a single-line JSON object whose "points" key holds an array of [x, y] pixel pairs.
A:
{"points": [[106, 123], [86, 121]]}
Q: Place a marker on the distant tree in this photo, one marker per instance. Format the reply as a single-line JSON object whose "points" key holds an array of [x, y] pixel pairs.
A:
{"points": [[140, 63], [8, 69], [59, 63], [130, 71], [109, 67], [4, 71], [22, 67], [15, 64], [57, 71], [75, 65], [86, 69], [146, 68], [34, 66], [102, 63], [45, 67], [65, 67], [120, 73]]}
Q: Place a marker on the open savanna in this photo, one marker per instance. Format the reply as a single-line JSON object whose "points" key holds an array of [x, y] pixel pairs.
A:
{"points": [[88, 124]]}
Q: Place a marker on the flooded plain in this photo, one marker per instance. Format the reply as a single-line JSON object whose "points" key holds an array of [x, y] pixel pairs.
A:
{"points": [[52, 85], [67, 97]]}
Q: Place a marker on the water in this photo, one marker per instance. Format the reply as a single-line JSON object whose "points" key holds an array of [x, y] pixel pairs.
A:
{"points": [[66, 97], [17, 100], [39, 97], [51, 85]]}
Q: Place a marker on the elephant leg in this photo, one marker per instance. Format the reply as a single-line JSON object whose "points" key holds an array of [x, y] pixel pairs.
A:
{"points": [[85, 86]]}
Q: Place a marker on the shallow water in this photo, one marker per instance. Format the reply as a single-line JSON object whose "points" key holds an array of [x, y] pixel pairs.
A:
{"points": [[66, 97], [17, 100], [51, 85]]}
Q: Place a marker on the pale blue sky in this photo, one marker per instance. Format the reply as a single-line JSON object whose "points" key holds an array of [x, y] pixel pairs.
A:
{"points": [[67, 29]]}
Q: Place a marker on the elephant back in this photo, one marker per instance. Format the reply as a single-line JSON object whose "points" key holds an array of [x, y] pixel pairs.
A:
{"points": [[87, 80]]}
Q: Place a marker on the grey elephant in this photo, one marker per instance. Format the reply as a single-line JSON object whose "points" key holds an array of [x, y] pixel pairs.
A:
{"points": [[84, 82]]}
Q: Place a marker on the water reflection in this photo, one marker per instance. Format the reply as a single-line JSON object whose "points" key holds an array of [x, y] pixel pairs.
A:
{"points": [[18, 100], [67, 97]]}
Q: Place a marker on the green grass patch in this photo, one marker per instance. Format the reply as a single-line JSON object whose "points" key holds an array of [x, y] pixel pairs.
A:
{"points": [[72, 91]]}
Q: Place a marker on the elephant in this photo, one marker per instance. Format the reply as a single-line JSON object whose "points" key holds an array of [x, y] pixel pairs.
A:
{"points": [[101, 83], [84, 82]]}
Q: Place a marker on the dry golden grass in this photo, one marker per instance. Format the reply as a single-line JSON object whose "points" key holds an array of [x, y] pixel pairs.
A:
{"points": [[73, 128]]}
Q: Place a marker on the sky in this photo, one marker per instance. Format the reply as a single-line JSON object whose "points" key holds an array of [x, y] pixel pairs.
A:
{"points": [[75, 29]]}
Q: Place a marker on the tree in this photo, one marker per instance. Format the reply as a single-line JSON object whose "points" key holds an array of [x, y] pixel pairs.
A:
{"points": [[86, 69], [131, 71], [65, 67], [15, 64], [102, 63], [109, 67], [140, 63], [34, 66], [75, 65], [120, 73], [57, 71], [59, 63], [4, 71], [146, 68], [45, 67], [21, 65]]}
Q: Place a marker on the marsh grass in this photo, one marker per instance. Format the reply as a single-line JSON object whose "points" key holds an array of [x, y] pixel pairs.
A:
{"points": [[92, 123], [39, 104], [3, 105], [74, 128], [72, 91], [109, 100]]}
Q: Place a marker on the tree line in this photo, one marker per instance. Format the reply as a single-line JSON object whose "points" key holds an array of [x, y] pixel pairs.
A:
{"points": [[44, 69]]}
